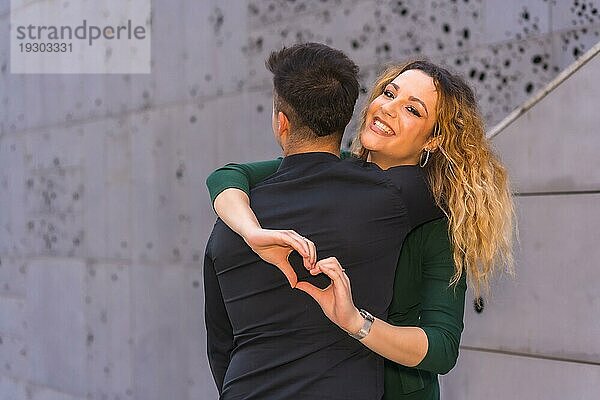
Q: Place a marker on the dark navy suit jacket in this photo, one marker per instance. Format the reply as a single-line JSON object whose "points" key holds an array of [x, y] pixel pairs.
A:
{"points": [[269, 341]]}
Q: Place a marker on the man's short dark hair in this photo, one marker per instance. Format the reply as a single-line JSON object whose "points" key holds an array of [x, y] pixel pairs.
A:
{"points": [[315, 87]]}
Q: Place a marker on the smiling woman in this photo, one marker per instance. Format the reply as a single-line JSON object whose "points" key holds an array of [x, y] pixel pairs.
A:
{"points": [[398, 123], [431, 117]]}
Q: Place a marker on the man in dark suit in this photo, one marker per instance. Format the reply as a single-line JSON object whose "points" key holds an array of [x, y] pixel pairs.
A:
{"points": [[266, 340]]}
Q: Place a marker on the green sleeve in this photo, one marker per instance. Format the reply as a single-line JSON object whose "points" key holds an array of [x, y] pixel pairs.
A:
{"points": [[240, 176], [345, 154], [442, 306], [426, 262], [245, 176]]}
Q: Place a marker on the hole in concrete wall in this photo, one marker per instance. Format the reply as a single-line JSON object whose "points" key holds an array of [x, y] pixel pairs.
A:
{"points": [[478, 305]]}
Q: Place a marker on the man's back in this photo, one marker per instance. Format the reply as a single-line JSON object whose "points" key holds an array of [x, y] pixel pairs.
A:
{"points": [[280, 344]]}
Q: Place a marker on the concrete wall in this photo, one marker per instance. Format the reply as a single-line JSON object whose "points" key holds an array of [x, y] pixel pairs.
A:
{"points": [[104, 215]]}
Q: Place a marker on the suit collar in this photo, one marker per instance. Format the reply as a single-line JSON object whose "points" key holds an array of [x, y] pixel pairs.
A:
{"points": [[305, 159]]}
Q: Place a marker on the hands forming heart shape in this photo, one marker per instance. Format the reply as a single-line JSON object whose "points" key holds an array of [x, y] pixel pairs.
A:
{"points": [[324, 280], [276, 246], [313, 276]]}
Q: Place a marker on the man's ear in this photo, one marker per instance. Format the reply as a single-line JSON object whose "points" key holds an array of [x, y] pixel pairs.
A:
{"points": [[283, 127]]}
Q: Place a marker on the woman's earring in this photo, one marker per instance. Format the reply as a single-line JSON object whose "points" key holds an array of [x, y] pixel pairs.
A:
{"points": [[421, 162], [436, 133]]}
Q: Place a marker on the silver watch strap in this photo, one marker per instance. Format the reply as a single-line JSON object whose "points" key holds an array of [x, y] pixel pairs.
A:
{"points": [[366, 328]]}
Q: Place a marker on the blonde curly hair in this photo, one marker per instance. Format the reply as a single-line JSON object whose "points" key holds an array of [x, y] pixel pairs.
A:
{"points": [[466, 178]]}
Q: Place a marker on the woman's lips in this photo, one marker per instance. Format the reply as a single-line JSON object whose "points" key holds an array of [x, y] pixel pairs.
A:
{"points": [[381, 128]]}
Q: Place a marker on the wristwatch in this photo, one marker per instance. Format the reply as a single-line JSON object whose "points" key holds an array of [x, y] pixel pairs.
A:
{"points": [[366, 328]]}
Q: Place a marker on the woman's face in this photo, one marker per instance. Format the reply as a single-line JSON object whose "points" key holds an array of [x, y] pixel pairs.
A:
{"points": [[399, 122]]}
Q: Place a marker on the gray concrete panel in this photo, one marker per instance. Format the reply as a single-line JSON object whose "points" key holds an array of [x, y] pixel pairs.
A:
{"points": [[55, 223], [168, 173], [264, 12], [155, 164], [196, 53], [17, 389], [12, 389], [574, 14], [35, 392], [510, 20], [359, 40], [106, 194], [36, 101], [13, 321], [481, 375], [53, 191], [551, 306], [109, 345], [12, 217], [201, 56], [117, 193], [98, 190], [262, 144], [504, 75], [55, 332], [551, 148], [168, 81], [569, 45], [218, 68], [12, 276], [13, 357], [422, 29], [245, 121], [4, 6], [169, 341]]}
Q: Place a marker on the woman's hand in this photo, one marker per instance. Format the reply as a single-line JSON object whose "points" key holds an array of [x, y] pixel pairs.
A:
{"points": [[274, 247], [336, 299], [406, 345]]}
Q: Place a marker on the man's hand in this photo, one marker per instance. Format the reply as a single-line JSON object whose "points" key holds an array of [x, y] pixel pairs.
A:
{"points": [[274, 247]]}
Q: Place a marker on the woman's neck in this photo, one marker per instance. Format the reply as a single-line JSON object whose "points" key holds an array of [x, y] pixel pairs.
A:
{"points": [[384, 162]]}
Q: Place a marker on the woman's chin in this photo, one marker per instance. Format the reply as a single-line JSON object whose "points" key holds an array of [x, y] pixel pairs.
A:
{"points": [[369, 140]]}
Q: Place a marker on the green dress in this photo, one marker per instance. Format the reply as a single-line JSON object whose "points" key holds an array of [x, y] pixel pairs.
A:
{"points": [[422, 295]]}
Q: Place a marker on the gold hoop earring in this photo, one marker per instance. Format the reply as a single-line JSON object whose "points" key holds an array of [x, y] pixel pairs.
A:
{"points": [[421, 163]]}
